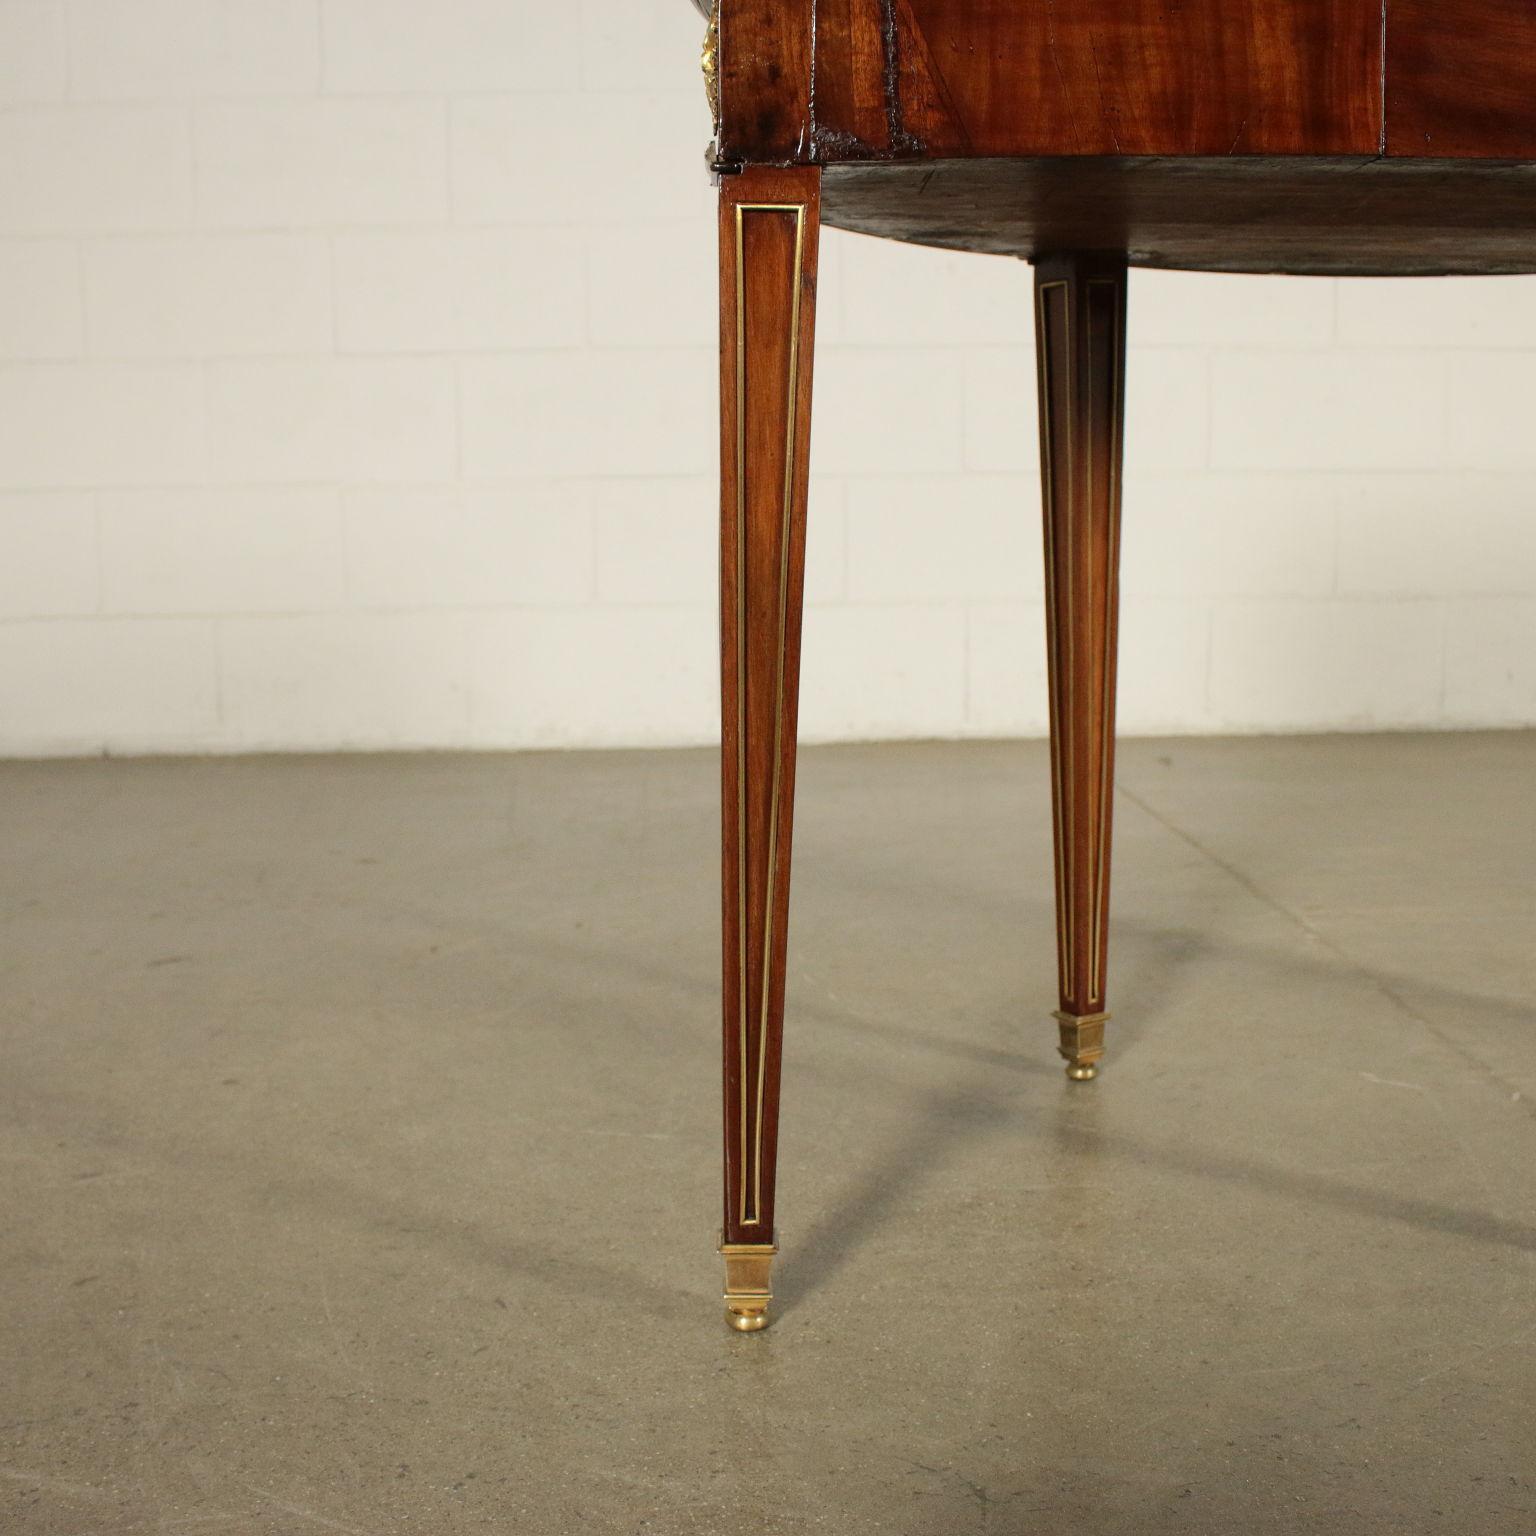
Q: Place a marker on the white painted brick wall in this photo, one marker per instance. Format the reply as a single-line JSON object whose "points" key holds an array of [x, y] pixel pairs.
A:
{"points": [[157, 296], [41, 314], [357, 389], [156, 50], [33, 65], [82, 169]]}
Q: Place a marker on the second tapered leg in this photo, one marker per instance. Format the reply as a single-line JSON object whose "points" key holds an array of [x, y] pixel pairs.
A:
{"points": [[1080, 346], [768, 238]]}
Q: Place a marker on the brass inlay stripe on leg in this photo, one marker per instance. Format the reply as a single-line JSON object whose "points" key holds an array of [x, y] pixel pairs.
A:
{"points": [[751, 1171], [1111, 598], [1072, 520], [1060, 681], [1095, 823], [1065, 506], [741, 688]]}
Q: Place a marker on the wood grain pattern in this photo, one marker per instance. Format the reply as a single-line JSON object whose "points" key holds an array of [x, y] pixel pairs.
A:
{"points": [[769, 224], [929, 78], [1143, 77], [878, 91], [832, 81], [765, 80], [1461, 78], [1080, 352]]}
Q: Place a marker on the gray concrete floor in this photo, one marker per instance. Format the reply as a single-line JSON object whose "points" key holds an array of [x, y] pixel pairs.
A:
{"points": [[358, 1134]]}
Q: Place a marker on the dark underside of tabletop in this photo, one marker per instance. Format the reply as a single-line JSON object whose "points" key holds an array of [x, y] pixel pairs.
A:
{"points": [[1328, 136], [1339, 215]]}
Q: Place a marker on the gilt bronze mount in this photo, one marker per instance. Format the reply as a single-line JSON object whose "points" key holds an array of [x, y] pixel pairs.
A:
{"points": [[747, 1289]]}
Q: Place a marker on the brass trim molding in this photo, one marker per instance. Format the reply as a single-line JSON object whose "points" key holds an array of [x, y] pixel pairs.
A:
{"points": [[1112, 535], [747, 1289], [1082, 1043], [752, 1168], [1047, 432]]}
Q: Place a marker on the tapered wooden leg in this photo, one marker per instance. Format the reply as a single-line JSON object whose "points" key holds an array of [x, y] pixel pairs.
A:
{"points": [[1080, 346], [769, 222]]}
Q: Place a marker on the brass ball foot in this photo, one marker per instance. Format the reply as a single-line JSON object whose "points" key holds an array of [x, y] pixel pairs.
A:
{"points": [[1082, 1043], [747, 1288]]}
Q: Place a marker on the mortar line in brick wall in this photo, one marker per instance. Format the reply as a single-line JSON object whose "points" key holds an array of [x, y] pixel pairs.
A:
{"points": [[1444, 690], [77, 247], [458, 420], [290, 96], [218, 675], [1210, 659], [599, 608], [436, 355], [447, 124], [444, 482], [332, 295], [965, 659], [98, 553], [66, 35], [198, 228]]}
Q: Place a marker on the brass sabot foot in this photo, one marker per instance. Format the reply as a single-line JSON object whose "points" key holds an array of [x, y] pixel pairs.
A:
{"points": [[1082, 1044], [747, 1292]]}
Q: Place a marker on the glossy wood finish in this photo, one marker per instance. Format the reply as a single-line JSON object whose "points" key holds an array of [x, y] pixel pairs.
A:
{"points": [[831, 80], [1096, 77], [1313, 215], [1461, 78], [1327, 136], [769, 223], [1080, 355], [765, 80]]}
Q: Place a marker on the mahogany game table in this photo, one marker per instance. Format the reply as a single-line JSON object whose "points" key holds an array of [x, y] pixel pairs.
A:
{"points": [[1345, 137]]}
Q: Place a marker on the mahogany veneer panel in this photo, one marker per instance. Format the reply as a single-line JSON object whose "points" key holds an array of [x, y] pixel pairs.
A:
{"points": [[1461, 78], [1097, 77], [768, 246], [1243, 214], [765, 79], [931, 78]]}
